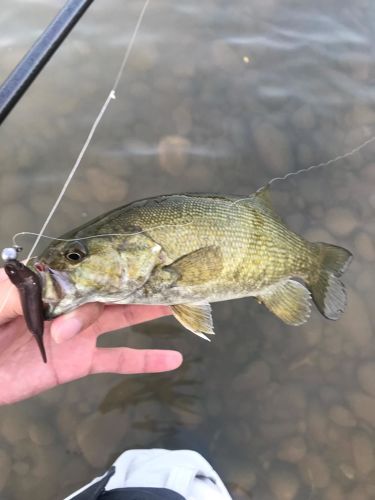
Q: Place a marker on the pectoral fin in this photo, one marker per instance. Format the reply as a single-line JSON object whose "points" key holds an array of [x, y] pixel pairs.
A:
{"points": [[289, 301], [198, 267], [195, 317]]}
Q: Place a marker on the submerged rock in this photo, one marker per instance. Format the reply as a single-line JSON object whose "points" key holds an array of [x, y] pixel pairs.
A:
{"points": [[358, 493], [341, 416], [363, 452], [41, 433], [5, 468], [340, 221], [14, 427], [257, 375], [363, 406], [366, 378], [304, 118], [364, 247], [99, 435], [283, 483], [273, 148], [317, 424], [333, 492], [21, 468], [173, 153], [315, 471], [356, 323], [292, 449], [106, 187]]}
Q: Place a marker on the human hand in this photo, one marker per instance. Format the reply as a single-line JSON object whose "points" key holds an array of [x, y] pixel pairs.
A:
{"points": [[70, 342]]}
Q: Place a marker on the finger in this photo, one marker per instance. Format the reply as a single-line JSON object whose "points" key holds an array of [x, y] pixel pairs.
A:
{"points": [[102, 319], [120, 316], [68, 325], [3, 275], [126, 360], [10, 305]]}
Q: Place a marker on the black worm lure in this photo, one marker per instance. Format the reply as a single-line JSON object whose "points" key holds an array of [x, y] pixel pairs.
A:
{"points": [[30, 291]]}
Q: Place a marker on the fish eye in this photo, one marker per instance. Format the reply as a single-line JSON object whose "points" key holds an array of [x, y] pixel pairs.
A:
{"points": [[76, 254]]}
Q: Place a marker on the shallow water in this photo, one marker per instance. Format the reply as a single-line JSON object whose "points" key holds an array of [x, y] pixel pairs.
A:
{"points": [[215, 98]]}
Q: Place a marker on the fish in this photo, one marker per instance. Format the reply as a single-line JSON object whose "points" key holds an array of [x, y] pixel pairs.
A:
{"points": [[188, 251], [29, 289]]}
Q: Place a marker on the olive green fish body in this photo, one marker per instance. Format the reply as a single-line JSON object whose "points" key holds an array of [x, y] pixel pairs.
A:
{"points": [[189, 250]]}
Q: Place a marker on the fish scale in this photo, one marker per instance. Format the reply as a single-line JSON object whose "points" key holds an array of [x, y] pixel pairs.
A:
{"points": [[188, 250]]}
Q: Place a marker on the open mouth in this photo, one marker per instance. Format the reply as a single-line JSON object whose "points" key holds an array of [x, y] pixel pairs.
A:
{"points": [[60, 282], [56, 286]]}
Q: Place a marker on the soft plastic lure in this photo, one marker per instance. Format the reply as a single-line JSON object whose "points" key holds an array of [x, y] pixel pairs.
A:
{"points": [[29, 288]]}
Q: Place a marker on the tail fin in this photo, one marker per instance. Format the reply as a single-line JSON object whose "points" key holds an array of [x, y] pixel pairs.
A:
{"points": [[327, 290]]}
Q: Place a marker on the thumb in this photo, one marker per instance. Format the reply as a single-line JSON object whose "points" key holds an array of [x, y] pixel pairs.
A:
{"points": [[68, 325]]}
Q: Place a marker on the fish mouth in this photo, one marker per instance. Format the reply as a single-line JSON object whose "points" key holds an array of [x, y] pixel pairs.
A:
{"points": [[56, 286]]}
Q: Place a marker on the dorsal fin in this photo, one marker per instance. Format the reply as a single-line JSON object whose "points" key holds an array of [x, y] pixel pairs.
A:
{"points": [[262, 198]]}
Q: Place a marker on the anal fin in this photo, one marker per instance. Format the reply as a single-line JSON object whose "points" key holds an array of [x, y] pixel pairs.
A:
{"points": [[289, 300], [195, 317]]}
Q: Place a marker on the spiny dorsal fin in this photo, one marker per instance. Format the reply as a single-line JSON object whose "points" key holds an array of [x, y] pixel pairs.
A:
{"points": [[263, 198], [195, 317], [289, 301], [198, 267]]}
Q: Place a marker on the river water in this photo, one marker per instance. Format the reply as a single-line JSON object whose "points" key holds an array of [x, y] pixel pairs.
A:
{"points": [[217, 97]]}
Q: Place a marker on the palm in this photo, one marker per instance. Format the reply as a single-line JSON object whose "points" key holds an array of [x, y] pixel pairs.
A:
{"points": [[23, 373]]}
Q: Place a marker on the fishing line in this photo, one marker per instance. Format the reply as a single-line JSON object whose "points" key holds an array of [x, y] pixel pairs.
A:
{"points": [[286, 176], [308, 169], [111, 95], [319, 165], [104, 235]]}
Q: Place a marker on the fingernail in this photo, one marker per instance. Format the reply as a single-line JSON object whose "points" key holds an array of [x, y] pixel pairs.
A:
{"points": [[176, 358], [67, 329]]}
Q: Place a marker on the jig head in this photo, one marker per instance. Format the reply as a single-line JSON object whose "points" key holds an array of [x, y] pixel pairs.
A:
{"points": [[30, 291]]}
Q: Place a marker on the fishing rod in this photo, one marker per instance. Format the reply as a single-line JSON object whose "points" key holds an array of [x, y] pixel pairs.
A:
{"points": [[27, 281], [39, 54]]}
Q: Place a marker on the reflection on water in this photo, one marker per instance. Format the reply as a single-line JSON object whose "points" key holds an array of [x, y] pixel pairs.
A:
{"points": [[215, 98]]}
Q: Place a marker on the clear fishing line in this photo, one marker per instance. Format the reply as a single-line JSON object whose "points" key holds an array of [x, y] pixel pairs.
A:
{"points": [[311, 167], [104, 235], [274, 179], [320, 165], [111, 95]]}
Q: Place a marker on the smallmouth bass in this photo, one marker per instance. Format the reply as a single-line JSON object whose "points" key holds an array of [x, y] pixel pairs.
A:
{"points": [[187, 250]]}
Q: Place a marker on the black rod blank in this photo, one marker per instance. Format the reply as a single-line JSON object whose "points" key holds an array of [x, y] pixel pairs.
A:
{"points": [[37, 57]]}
